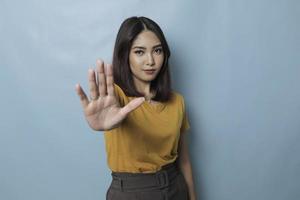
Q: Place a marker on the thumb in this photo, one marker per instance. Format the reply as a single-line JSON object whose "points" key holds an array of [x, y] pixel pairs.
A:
{"points": [[132, 105]]}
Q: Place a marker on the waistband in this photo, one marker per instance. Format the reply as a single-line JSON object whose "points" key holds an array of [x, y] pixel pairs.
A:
{"points": [[126, 181]]}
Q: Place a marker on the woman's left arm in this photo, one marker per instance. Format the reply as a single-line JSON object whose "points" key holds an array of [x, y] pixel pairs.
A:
{"points": [[185, 165]]}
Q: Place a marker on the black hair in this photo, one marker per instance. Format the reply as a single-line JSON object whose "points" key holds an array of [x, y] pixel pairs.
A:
{"points": [[128, 31]]}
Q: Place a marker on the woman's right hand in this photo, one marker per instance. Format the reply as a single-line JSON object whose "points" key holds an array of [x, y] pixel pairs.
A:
{"points": [[103, 110]]}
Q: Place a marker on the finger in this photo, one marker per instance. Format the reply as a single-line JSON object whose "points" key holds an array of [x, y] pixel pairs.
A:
{"points": [[92, 84], [110, 80], [83, 99], [101, 78], [132, 105]]}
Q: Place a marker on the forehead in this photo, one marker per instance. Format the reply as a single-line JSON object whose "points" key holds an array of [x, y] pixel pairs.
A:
{"points": [[146, 38]]}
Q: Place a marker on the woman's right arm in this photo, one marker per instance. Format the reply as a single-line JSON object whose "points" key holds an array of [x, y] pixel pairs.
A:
{"points": [[102, 110]]}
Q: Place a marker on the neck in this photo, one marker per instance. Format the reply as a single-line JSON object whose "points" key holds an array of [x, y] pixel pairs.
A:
{"points": [[143, 87]]}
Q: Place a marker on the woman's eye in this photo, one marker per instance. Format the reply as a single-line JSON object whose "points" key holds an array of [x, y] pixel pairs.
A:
{"points": [[158, 51], [139, 52]]}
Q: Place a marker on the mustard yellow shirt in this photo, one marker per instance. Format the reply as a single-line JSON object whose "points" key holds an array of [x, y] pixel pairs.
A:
{"points": [[148, 138]]}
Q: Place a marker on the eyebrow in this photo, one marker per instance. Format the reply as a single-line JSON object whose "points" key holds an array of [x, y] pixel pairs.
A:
{"points": [[140, 47]]}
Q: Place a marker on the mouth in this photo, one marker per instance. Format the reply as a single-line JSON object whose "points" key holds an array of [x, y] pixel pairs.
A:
{"points": [[149, 71]]}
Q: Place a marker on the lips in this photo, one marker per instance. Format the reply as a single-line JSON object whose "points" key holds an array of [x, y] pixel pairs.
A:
{"points": [[149, 70]]}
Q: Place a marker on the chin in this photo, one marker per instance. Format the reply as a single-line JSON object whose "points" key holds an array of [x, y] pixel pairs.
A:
{"points": [[149, 79]]}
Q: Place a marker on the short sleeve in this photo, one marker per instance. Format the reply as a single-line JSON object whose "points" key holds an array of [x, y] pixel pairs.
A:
{"points": [[119, 94], [185, 125]]}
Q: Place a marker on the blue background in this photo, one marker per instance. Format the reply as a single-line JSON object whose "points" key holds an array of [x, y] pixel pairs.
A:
{"points": [[236, 63]]}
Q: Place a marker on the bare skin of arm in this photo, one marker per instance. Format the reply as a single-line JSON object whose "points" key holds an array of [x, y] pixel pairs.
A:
{"points": [[103, 111], [185, 165]]}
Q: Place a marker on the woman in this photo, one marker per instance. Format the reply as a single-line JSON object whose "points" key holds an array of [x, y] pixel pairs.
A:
{"points": [[143, 120]]}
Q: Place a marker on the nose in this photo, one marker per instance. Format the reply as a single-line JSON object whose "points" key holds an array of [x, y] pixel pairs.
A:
{"points": [[150, 60]]}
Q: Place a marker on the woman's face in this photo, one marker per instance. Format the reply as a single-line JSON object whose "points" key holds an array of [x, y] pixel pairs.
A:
{"points": [[146, 54]]}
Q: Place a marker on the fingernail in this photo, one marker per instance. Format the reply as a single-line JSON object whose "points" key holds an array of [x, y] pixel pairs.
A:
{"points": [[76, 86], [99, 61]]}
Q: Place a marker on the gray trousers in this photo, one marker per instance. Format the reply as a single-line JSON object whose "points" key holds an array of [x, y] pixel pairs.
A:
{"points": [[166, 184]]}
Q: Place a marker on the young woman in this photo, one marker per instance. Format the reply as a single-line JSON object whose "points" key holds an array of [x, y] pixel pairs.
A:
{"points": [[143, 119]]}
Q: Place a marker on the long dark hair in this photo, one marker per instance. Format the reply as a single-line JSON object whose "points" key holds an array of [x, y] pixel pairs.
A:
{"points": [[128, 31]]}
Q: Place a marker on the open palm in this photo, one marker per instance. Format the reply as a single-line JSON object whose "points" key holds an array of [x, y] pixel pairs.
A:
{"points": [[103, 110]]}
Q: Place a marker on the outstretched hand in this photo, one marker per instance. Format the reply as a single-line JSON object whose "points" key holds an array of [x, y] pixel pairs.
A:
{"points": [[103, 111]]}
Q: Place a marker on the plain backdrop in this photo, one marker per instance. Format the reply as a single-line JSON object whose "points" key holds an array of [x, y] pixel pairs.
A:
{"points": [[235, 62]]}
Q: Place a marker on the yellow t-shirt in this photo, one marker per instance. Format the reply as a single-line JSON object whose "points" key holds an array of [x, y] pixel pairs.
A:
{"points": [[148, 138]]}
